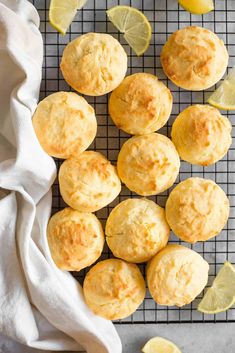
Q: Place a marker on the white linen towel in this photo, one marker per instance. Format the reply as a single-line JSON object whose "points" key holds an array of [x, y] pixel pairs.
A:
{"points": [[41, 307]]}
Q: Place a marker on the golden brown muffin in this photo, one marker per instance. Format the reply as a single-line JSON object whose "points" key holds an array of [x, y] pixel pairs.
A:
{"points": [[141, 104], [201, 135], [65, 124], [148, 164], [197, 210], [176, 275], [194, 58], [114, 289], [89, 182], [75, 239], [94, 64], [136, 230]]}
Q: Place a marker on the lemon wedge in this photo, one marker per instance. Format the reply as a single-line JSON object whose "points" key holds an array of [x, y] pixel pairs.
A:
{"points": [[197, 7], [62, 13], [224, 96], [160, 345], [221, 296], [135, 26]]}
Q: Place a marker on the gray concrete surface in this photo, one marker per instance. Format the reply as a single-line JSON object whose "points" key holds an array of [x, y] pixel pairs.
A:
{"points": [[193, 338], [190, 338]]}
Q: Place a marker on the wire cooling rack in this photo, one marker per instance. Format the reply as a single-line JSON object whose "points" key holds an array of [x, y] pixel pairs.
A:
{"points": [[165, 17]]}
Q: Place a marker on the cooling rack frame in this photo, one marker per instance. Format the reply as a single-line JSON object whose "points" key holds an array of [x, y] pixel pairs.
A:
{"points": [[165, 17]]}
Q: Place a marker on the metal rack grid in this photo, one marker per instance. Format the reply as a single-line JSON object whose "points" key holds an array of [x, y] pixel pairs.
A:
{"points": [[165, 17]]}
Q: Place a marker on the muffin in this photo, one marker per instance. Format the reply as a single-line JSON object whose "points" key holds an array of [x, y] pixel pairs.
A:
{"points": [[197, 210], [201, 135], [176, 275], [94, 64], [89, 182], [114, 289], [194, 58], [75, 239], [65, 124], [148, 164], [136, 230], [141, 104]]}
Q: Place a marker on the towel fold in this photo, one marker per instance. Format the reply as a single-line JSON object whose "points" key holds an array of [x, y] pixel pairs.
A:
{"points": [[41, 307]]}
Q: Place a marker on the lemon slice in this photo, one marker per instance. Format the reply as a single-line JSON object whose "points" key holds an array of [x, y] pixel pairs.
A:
{"points": [[135, 26], [160, 345], [198, 7], [224, 96], [221, 296], [62, 13]]}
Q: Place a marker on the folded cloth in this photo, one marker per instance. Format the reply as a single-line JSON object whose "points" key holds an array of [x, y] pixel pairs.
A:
{"points": [[41, 307]]}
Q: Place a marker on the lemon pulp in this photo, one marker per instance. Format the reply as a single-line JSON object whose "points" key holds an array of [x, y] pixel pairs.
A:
{"points": [[221, 295], [160, 345], [224, 96], [135, 26], [62, 13]]}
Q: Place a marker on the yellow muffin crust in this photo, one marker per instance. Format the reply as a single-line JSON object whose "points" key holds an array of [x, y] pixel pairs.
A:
{"points": [[141, 104], [65, 124], [176, 275], [148, 164], [94, 64], [136, 230], [114, 289], [201, 135], [197, 210], [194, 58], [75, 239], [89, 182]]}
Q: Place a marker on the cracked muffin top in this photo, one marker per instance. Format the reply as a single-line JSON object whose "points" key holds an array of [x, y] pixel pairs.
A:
{"points": [[194, 58], [65, 124], [136, 230], [89, 182], [94, 64], [114, 289], [148, 164], [176, 275], [141, 104], [201, 134], [197, 209], [75, 239]]}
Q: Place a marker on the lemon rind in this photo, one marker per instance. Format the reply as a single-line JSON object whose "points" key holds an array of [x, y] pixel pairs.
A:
{"points": [[160, 339], [230, 81], [221, 106], [210, 8], [219, 310], [58, 28], [145, 20], [55, 24]]}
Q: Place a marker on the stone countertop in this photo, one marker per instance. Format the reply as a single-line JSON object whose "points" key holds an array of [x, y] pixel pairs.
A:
{"points": [[190, 338]]}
